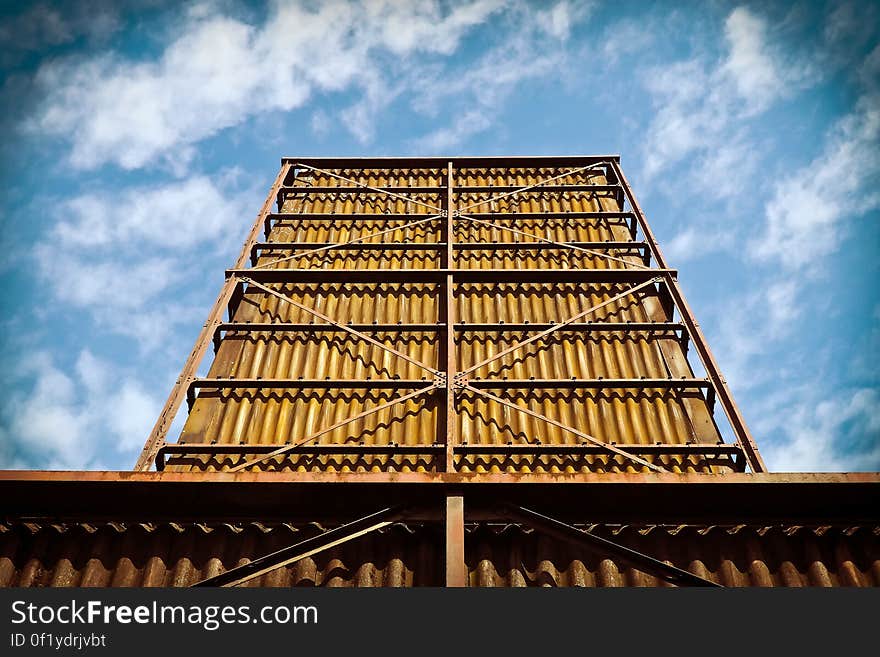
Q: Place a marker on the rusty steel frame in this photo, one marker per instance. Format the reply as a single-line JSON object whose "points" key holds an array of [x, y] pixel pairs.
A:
{"points": [[556, 327], [542, 184], [336, 425], [722, 391], [361, 187], [722, 451], [362, 336], [556, 423], [342, 245], [591, 541], [446, 277], [306, 548], [561, 245], [215, 317]]}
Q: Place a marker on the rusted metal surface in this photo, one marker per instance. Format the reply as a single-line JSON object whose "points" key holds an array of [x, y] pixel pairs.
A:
{"points": [[182, 554], [733, 498], [559, 246], [456, 568], [605, 547], [492, 342], [304, 549]]}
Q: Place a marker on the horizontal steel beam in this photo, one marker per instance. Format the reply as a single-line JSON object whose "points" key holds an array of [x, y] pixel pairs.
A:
{"points": [[585, 327], [692, 449], [595, 384], [436, 246], [288, 190], [458, 162], [408, 216], [463, 327], [354, 189], [170, 451], [415, 276], [846, 499], [302, 384]]}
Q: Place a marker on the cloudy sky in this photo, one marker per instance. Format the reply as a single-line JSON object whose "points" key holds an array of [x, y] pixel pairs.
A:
{"points": [[139, 139]]}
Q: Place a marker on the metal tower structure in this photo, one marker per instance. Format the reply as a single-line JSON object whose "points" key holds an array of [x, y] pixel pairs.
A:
{"points": [[459, 371]]}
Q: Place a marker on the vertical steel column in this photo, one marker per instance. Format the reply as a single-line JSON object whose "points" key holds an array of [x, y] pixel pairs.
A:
{"points": [[449, 262], [731, 410], [456, 569], [190, 368]]}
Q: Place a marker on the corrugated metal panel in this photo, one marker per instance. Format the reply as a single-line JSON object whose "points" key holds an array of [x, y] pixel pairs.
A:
{"points": [[624, 416], [501, 555]]}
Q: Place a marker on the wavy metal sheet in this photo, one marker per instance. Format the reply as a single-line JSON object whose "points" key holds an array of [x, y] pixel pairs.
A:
{"points": [[99, 555], [278, 417]]}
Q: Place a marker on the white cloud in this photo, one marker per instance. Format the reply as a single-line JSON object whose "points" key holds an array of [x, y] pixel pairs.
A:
{"points": [[173, 215], [748, 327], [219, 71], [805, 218], [704, 103], [836, 433], [465, 125], [626, 37], [320, 123], [558, 20], [86, 418], [111, 285], [476, 94], [115, 253], [692, 243], [754, 71]]}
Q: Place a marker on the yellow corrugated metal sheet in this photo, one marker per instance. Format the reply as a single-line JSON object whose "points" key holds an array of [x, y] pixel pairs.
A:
{"points": [[95, 555], [610, 415]]}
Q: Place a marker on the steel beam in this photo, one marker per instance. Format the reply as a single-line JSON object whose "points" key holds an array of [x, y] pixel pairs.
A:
{"points": [[289, 190], [440, 246], [592, 384], [591, 541], [302, 549], [450, 423], [215, 317], [701, 345], [302, 384], [723, 454], [456, 568], [462, 327], [560, 215], [458, 162], [285, 449], [438, 276]]}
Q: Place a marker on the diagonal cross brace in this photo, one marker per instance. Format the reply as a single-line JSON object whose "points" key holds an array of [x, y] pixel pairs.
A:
{"points": [[545, 240], [310, 546], [639, 560], [564, 427], [532, 186], [381, 407], [559, 326], [356, 240], [343, 327], [371, 188]]}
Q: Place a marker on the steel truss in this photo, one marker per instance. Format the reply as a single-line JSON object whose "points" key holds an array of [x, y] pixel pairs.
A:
{"points": [[456, 567], [629, 274]]}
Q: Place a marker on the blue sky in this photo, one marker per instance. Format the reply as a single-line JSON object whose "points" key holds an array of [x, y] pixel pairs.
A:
{"points": [[139, 139]]}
